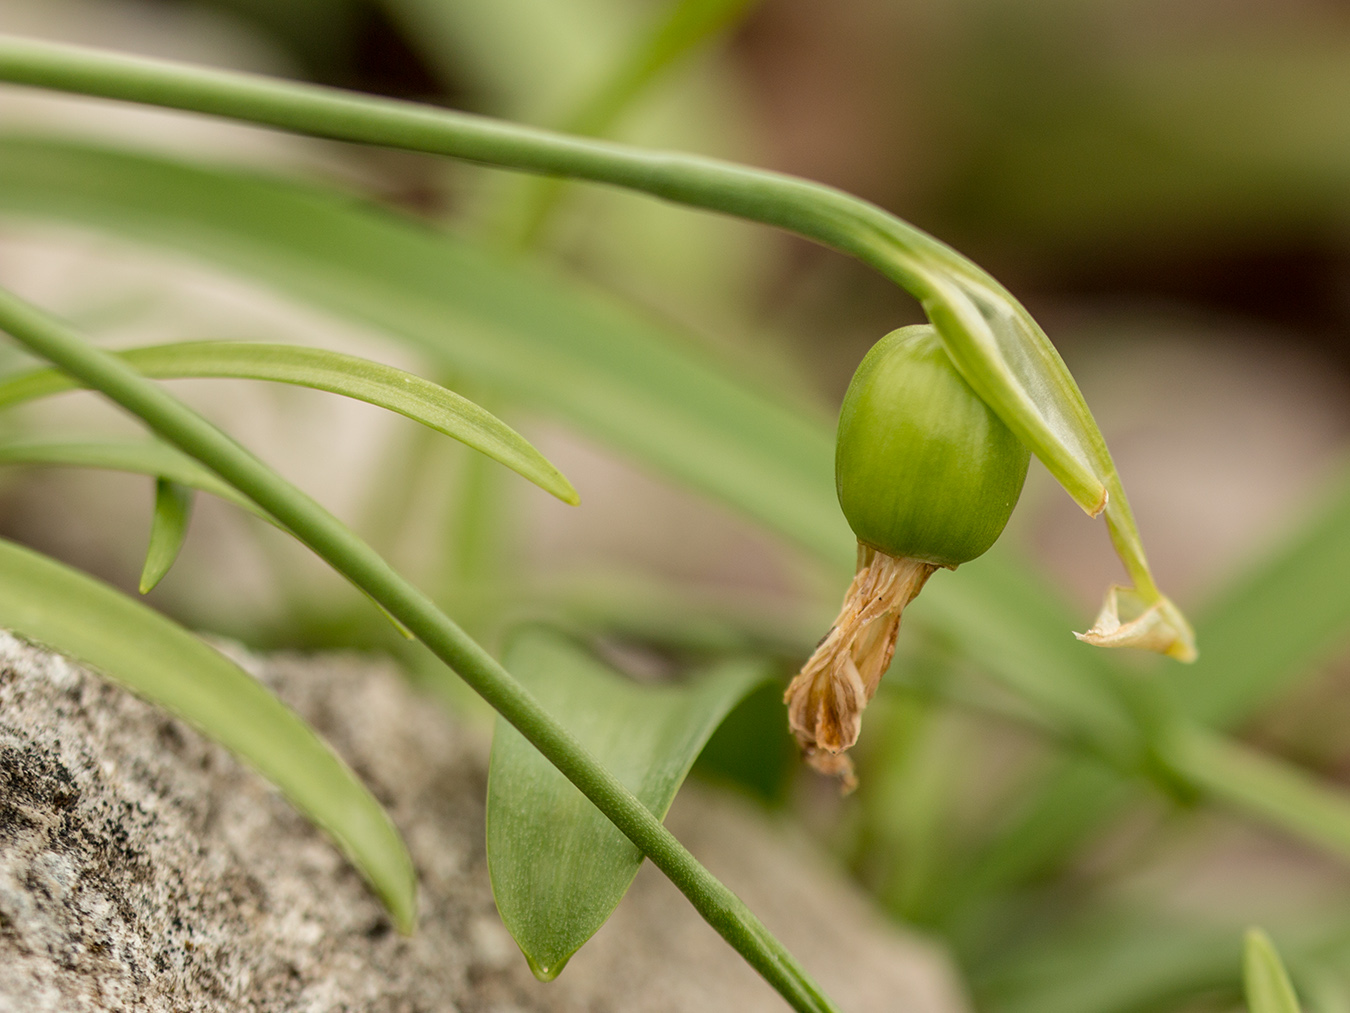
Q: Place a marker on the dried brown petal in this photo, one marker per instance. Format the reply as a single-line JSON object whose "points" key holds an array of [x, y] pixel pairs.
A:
{"points": [[826, 700]]}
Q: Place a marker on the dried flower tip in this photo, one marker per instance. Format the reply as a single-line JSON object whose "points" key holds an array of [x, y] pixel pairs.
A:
{"points": [[826, 700], [1128, 620]]}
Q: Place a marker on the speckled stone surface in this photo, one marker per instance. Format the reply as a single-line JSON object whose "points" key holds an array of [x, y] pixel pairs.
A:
{"points": [[143, 869]]}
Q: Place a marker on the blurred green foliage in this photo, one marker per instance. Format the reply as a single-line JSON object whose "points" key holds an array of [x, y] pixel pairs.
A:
{"points": [[1076, 827]]}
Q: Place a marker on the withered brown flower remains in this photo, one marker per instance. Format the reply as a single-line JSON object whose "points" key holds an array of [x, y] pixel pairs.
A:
{"points": [[927, 476]]}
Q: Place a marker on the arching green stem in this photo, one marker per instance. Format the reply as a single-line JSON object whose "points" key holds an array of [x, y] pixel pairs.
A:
{"points": [[997, 346]]}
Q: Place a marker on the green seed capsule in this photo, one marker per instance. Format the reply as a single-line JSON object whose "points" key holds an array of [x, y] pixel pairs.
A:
{"points": [[927, 476], [924, 469]]}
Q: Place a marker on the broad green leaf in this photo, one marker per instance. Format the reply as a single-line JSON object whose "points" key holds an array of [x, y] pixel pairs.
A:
{"points": [[513, 328], [1267, 984], [168, 528], [46, 602], [398, 391], [558, 866]]}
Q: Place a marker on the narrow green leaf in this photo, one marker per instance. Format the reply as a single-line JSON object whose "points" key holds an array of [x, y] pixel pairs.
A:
{"points": [[168, 528], [516, 330], [143, 457], [684, 27], [1113, 959], [1261, 785], [1267, 984], [406, 393], [1273, 623], [135, 646], [558, 866]]}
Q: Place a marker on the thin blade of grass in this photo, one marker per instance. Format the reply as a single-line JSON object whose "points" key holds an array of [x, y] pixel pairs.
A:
{"points": [[320, 369], [44, 601], [685, 26], [168, 529], [559, 868], [517, 331], [1261, 785], [1272, 624], [139, 456], [143, 457]]}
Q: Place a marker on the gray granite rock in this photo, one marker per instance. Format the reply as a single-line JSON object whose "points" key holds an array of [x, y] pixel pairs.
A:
{"points": [[143, 869]]}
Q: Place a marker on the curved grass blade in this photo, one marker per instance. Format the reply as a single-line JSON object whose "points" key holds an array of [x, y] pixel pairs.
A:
{"points": [[558, 866], [168, 528], [397, 390], [47, 602], [516, 330], [144, 457], [1267, 984]]}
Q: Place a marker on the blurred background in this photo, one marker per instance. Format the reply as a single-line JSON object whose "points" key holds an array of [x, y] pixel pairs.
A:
{"points": [[1165, 186]]}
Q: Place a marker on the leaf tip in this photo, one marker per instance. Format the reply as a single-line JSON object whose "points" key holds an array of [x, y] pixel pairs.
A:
{"points": [[404, 913], [1265, 980], [546, 972], [566, 492]]}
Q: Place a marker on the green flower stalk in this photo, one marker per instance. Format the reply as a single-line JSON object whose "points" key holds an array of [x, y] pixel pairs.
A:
{"points": [[927, 477], [993, 341]]}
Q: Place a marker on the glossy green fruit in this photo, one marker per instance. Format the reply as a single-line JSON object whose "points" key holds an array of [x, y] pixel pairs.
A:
{"points": [[923, 467]]}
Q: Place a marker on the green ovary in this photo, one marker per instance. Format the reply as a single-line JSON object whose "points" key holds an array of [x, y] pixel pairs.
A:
{"points": [[924, 469]]}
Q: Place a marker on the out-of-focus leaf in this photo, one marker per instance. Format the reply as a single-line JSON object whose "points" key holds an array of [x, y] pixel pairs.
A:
{"points": [[135, 646], [558, 866], [1262, 785], [406, 393], [1266, 630], [1267, 984], [514, 329], [517, 58], [1113, 961], [144, 457], [1269, 626], [996, 613], [687, 24], [168, 528]]}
